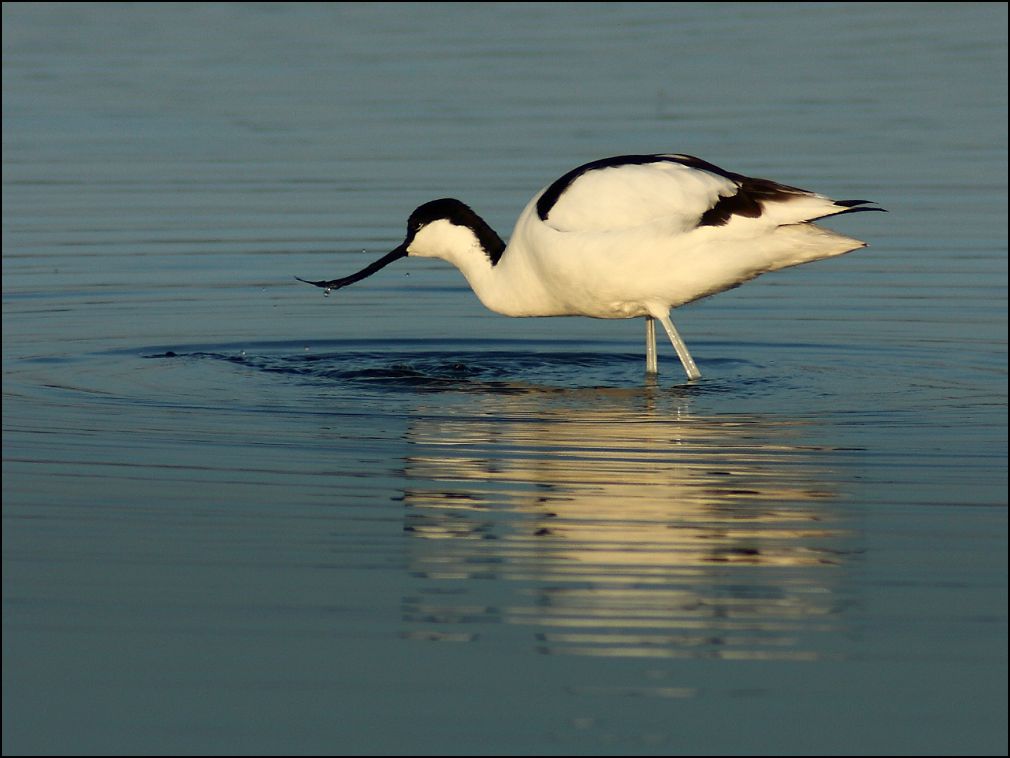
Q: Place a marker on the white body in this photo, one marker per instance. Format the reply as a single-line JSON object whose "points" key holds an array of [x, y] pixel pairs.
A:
{"points": [[623, 237], [624, 242]]}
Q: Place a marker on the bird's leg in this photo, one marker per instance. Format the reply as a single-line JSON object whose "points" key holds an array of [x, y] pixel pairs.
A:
{"points": [[680, 347], [651, 365]]}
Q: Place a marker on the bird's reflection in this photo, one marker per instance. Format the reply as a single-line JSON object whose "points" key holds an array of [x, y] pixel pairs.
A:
{"points": [[624, 525]]}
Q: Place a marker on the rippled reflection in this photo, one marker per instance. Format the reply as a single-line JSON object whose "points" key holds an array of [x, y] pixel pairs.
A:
{"points": [[624, 526]]}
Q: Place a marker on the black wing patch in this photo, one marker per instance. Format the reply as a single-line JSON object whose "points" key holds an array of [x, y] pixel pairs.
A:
{"points": [[749, 200]]}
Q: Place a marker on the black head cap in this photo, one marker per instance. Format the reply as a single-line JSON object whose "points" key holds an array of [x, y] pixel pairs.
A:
{"points": [[460, 214]]}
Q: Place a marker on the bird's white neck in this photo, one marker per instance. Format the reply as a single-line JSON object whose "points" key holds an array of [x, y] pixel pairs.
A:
{"points": [[460, 246], [501, 279], [456, 244]]}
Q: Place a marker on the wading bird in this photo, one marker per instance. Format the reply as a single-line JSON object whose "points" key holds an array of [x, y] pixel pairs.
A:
{"points": [[626, 237]]}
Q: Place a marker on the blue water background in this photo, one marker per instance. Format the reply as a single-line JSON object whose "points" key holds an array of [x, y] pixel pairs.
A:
{"points": [[239, 516]]}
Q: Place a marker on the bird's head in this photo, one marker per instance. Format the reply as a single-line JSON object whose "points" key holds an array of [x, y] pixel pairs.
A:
{"points": [[445, 228]]}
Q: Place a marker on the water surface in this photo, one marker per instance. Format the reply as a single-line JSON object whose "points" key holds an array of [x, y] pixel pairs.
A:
{"points": [[243, 517]]}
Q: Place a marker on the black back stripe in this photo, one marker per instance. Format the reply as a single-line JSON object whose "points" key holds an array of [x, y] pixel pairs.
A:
{"points": [[747, 201], [691, 162], [553, 193]]}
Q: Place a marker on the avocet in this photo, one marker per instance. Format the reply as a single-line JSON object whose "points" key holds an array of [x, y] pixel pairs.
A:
{"points": [[628, 237]]}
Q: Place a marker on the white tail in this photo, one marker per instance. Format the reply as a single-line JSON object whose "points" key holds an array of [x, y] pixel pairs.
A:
{"points": [[804, 243]]}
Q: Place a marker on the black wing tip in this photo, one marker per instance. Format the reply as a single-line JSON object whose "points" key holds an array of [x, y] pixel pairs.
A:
{"points": [[852, 205], [846, 204], [852, 209]]}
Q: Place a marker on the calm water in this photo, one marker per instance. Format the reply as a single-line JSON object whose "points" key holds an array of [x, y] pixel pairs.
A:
{"points": [[242, 517]]}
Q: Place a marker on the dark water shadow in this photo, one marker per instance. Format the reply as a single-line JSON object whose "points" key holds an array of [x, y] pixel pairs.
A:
{"points": [[470, 366]]}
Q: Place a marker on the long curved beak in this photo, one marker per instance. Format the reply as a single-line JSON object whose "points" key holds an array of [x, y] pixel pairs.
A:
{"points": [[335, 284]]}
